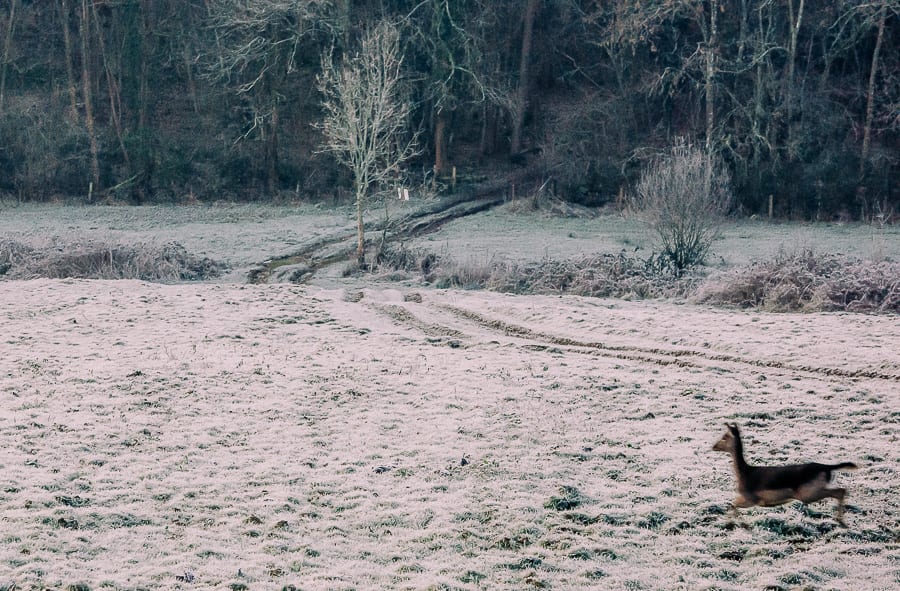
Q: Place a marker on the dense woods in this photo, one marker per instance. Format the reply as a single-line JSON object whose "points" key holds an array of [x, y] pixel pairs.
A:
{"points": [[177, 100]]}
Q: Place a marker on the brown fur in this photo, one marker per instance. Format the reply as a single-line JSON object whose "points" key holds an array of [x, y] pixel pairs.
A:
{"points": [[767, 486]]}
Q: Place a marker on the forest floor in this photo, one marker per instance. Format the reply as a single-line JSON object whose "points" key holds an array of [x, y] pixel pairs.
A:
{"points": [[357, 434]]}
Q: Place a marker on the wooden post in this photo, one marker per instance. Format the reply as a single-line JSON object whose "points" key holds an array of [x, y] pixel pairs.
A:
{"points": [[771, 205], [453, 179]]}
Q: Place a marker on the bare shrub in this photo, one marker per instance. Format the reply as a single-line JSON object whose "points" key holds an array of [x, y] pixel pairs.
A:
{"points": [[808, 282], [682, 196], [13, 254], [599, 275], [98, 260]]}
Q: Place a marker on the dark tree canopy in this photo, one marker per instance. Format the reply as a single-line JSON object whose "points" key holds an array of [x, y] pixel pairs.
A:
{"points": [[167, 100]]}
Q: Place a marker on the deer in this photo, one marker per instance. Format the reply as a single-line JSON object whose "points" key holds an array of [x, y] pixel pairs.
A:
{"points": [[768, 486]]}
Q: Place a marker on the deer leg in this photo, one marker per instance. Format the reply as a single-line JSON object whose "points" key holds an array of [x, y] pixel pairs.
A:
{"points": [[815, 492], [742, 502]]}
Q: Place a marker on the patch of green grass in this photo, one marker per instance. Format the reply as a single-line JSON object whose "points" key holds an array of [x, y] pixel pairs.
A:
{"points": [[792, 579], [735, 554], [727, 575], [581, 518], [680, 527], [74, 501], [610, 519], [581, 554], [472, 576], [514, 542], [569, 498], [482, 517], [653, 521], [122, 520], [607, 554], [872, 536], [781, 527], [525, 564]]}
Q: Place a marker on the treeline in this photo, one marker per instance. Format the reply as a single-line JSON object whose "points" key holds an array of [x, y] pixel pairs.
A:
{"points": [[167, 100]]}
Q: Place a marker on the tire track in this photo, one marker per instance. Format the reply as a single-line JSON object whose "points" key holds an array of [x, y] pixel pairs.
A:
{"points": [[402, 315], [680, 357]]}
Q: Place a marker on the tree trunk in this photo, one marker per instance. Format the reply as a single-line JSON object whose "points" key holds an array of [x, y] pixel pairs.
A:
{"points": [[795, 22], [440, 142], [70, 69], [85, 26], [522, 91], [870, 95], [143, 83], [360, 229], [711, 49], [272, 153], [7, 47], [112, 89], [191, 83]]}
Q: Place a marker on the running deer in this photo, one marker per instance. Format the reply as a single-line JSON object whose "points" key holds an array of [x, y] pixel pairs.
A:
{"points": [[768, 486]]}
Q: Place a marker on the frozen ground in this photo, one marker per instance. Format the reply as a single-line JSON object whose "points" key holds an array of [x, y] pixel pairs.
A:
{"points": [[342, 436]]}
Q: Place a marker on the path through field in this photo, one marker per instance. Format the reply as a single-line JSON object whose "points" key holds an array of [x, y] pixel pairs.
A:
{"points": [[266, 436]]}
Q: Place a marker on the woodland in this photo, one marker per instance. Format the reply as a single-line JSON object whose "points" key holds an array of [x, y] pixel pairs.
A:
{"points": [[173, 101]]}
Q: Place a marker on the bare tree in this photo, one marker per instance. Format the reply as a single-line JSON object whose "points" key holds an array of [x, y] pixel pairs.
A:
{"points": [[682, 196], [367, 115], [256, 48], [522, 89], [84, 26], [870, 92], [7, 45]]}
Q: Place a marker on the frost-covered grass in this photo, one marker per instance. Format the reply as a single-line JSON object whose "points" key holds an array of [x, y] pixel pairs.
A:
{"points": [[344, 436], [214, 436]]}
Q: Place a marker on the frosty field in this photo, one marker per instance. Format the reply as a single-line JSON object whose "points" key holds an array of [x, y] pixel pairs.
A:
{"points": [[345, 435]]}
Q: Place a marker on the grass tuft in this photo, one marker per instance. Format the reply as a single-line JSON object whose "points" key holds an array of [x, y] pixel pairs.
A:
{"points": [[569, 498]]}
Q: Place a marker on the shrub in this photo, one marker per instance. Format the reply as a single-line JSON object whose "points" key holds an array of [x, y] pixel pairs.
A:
{"points": [[807, 281], [682, 195], [598, 275], [168, 262]]}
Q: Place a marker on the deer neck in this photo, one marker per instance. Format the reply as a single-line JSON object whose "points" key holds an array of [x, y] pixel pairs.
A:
{"points": [[740, 464]]}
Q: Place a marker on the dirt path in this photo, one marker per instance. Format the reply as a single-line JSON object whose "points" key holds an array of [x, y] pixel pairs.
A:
{"points": [[300, 266]]}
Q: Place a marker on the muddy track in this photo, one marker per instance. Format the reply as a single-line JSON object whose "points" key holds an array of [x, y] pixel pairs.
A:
{"points": [[541, 341], [341, 246]]}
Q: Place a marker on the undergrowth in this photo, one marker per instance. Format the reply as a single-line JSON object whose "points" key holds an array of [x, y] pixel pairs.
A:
{"points": [[804, 281], [807, 281], [598, 275], [91, 259]]}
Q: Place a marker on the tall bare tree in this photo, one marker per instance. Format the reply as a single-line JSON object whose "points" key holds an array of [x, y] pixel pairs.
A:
{"points": [[366, 124], [84, 28], [7, 48], [255, 51], [870, 91], [522, 88]]}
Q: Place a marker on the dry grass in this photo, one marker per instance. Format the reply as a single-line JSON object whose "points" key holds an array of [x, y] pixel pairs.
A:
{"points": [[598, 275], [91, 259], [808, 281], [804, 281]]}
